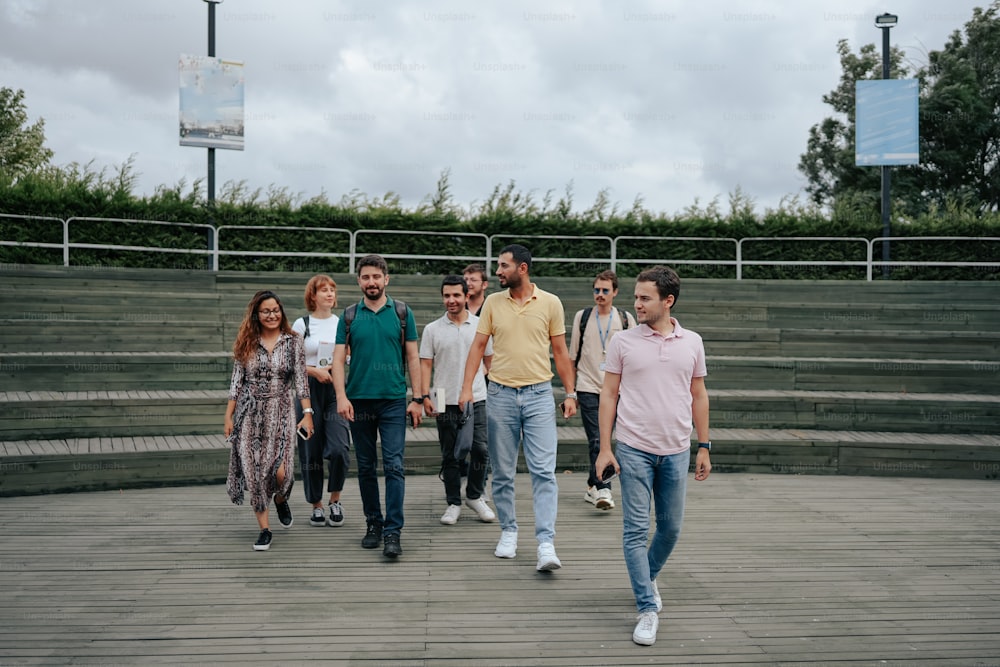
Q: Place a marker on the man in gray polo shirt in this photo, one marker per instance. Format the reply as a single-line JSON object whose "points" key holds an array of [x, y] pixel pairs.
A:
{"points": [[444, 347]]}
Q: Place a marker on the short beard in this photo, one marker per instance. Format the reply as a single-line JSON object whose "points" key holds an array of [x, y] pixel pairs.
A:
{"points": [[513, 282]]}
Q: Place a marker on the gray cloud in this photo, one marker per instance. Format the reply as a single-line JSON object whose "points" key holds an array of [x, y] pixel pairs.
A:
{"points": [[668, 101]]}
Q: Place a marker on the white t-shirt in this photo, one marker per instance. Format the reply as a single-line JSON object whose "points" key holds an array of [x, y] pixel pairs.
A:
{"points": [[322, 334]]}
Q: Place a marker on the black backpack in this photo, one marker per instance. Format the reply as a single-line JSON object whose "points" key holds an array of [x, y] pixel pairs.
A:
{"points": [[584, 318]]}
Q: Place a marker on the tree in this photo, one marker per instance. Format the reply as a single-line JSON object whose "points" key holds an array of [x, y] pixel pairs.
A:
{"points": [[960, 115], [959, 127], [22, 148], [828, 162]]}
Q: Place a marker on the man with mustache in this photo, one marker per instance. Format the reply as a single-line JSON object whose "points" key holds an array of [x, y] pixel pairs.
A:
{"points": [[592, 330]]}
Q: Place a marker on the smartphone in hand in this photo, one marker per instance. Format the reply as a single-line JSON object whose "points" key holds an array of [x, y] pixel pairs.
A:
{"points": [[303, 433], [608, 474]]}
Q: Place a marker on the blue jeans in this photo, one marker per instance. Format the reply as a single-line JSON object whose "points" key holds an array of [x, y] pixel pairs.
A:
{"points": [[511, 414], [590, 405], [664, 479], [387, 418]]}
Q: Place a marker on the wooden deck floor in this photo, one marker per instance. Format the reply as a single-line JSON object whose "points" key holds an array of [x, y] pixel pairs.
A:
{"points": [[770, 570]]}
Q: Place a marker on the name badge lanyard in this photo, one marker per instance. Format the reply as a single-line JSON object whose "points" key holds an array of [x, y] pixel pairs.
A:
{"points": [[604, 334]]}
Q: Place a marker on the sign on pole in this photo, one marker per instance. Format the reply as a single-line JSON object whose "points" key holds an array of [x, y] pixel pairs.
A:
{"points": [[211, 102], [887, 128]]}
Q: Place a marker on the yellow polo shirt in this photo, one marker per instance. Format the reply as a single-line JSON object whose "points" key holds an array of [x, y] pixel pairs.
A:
{"points": [[521, 335]]}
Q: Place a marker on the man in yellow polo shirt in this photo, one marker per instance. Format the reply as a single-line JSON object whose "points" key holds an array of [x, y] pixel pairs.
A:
{"points": [[523, 321]]}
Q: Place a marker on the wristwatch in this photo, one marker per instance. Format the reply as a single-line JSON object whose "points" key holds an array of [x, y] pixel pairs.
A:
{"points": [[572, 395], [417, 399], [308, 411], [705, 445]]}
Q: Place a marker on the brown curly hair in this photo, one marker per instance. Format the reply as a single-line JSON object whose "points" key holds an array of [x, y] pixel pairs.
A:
{"points": [[250, 328]]}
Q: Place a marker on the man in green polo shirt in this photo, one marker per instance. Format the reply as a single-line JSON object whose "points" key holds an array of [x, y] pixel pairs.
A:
{"points": [[373, 398]]}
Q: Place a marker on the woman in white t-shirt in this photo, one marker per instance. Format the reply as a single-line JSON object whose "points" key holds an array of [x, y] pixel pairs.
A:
{"points": [[331, 441]]}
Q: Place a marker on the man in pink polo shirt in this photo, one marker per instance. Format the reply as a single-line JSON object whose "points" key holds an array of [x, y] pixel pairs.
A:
{"points": [[655, 375]]}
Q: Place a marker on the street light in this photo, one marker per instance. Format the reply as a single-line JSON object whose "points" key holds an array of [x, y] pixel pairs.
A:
{"points": [[211, 54], [885, 22]]}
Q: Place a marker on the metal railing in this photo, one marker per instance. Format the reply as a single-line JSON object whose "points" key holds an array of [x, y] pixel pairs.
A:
{"points": [[465, 257], [214, 238], [867, 263], [617, 258], [277, 253], [210, 249], [64, 246], [911, 239], [575, 260]]}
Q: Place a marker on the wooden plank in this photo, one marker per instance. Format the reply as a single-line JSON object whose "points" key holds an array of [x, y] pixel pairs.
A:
{"points": [[853, 570]]}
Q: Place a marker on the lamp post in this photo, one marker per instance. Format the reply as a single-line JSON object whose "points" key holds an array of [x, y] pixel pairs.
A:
{"points": [[885, 22], [211, 54]]}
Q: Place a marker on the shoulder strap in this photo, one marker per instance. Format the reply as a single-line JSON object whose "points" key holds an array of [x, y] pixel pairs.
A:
{"points": [[584, 318], [305, 320], [401, 314], [349, 314], [623, 317]]}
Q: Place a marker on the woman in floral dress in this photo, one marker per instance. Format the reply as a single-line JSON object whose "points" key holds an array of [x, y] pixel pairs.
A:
{"points": [[269, 369]]}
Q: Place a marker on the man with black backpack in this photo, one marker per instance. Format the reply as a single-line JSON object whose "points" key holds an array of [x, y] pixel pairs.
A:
{"points": [[380, 335], [593, 328]]}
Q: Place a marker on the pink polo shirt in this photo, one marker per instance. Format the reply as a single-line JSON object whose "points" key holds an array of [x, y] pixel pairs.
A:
{"points": [[654, 407]]}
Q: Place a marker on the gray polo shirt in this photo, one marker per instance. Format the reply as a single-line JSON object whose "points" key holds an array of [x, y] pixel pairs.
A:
{"points": [[447, 344]]}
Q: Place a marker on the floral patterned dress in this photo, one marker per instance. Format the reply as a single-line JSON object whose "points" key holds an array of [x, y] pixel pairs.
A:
{"points": [[263, 436]]}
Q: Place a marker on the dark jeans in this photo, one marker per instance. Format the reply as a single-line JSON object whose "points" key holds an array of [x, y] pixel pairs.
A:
{"points": [[331, 442], [447, 425], [590, 404], [385, 418]]}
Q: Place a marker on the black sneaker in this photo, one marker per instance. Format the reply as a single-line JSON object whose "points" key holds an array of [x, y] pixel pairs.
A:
{"points": [[263, 542], [317, 518], [392, 549], [373, 536], [336, 514], [284, 514]]}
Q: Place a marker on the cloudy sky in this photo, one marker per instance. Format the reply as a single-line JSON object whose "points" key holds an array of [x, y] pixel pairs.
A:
{"points": [[670, 101]]}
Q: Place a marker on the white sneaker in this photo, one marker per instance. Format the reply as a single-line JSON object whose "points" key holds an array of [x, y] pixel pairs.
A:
{"points": [[507, 546], [480, 507], [450, 516], [656, 596], [604, 500], [645, 629], [591, 495], [547, 558]]}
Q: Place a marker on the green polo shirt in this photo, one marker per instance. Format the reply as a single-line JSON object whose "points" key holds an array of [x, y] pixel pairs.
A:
{"points": [[376, 369]]}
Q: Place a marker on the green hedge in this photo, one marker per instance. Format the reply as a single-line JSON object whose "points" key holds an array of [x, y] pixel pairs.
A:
{"points": [[505, 212]]}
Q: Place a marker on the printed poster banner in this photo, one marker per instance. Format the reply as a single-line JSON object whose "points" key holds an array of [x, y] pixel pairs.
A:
{"points": [[887, 127], [211, 102]]}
